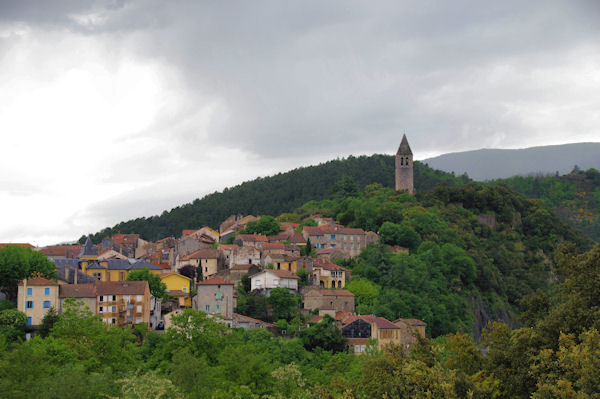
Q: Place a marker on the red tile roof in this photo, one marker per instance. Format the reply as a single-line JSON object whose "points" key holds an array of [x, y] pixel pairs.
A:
{"points": [[330, 229], [229, 246], [325, 265], [77, 291], [241, 316], [252, 237], [60, 250], [202, 254], [177, 293], [121, 287], [39, 281], [215, 281], [380, 322], [273, 245], [187, 232], [10, 244]]}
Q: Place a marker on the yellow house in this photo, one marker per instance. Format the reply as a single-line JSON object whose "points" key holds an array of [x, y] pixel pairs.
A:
{"points": [[116, 269], [35, 297], [178, 286], [282, 262], [329, 274]]}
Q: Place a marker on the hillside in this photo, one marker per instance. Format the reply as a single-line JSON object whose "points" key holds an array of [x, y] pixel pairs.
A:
{"points": [[488, 164], [274, 195], [575, 196], [475, 252]]}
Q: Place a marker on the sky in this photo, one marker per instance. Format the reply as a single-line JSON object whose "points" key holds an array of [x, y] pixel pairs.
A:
{"points": [[112, 110]]}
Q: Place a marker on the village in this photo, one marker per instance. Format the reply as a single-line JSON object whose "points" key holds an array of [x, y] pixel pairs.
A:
{"points": [[206, 270]]}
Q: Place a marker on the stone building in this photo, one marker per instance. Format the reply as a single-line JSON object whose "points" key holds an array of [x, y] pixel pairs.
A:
{"points": [[215, 297], [409, 329], [329, 300], [404, 167]]}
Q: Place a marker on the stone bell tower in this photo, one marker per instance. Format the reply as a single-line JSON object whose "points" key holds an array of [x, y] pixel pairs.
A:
{"points": [[404, 167]]}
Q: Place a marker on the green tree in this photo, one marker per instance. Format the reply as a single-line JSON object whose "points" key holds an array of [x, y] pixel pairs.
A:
{"points": [[48, 321], [283, 303], [18, 263], [324, 335], [157, 287], [12, 324], [266, 225]]}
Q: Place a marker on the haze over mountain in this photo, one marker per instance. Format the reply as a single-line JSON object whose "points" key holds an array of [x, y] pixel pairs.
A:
{"points": [[488, 164]]}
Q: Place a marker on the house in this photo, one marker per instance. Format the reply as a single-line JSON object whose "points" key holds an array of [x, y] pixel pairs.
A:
{"points": [[81, 292], [339, 317], [61, 251], [268, 279], [204, 234], [88, 251], [409, 329], [277, 248], [241, 321], [328, 275], [206, 260], [104, 254], [330, 254], [251, 240], [281, 262], [123, 302], [235, 274], [350, 241], [115, 269], [232, 255], [359, 329], [329, 301], [233, 224], [178, 286], [215, 297], [35, 297]]}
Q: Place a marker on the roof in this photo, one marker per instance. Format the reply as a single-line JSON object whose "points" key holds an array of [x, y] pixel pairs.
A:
{"points": [[202, 254], [241, 316], [77, 291], [61, 250], [121, 287], [297, 238], [328, 265], [69, 277], [187, 232], [273, 245], [228, 246], [283, 274], [380, 322], [252, 237], [16, 244], [40, 281], [89, 249], [412, 322], [214, 281], [177, 293], [404, 148], [332, 292], [332, 229], [163, 275]]}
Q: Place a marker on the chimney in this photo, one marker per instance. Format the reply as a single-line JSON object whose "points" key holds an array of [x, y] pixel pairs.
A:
{"points": [[75, 272]]}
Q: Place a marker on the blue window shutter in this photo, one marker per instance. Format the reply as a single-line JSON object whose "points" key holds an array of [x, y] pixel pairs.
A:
{"points": [[47, 291], [29, 291], [28, 321]]}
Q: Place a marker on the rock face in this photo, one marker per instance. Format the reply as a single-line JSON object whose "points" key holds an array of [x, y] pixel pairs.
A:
{"points": [[482, 315]]}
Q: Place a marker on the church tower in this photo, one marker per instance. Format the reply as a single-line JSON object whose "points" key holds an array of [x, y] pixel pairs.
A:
{"points": [[404, 167]]}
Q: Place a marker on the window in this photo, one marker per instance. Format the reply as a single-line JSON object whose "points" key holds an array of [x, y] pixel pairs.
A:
{"points": [[29, 305], [139, 298], [121, 276], [219, 295], [276, 282], [113, 309], [139, 308], [184, 289], [47, 291], [206, 269], [218, 309], [333, 236], [332, 245], [113, 321], [358, 245], [101, 298], [138, 320], [46, 305], [114, 297], [101, 309], [28, 321], [29, 291], [98, 276], [207, 308]]}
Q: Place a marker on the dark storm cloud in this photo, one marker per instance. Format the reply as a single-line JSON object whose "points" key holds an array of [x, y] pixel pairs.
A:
{"points": [[342, 77]]}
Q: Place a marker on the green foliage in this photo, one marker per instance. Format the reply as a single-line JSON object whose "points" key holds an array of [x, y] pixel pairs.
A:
{"points": [[48, 321], [12, 324], [275, 195], [324, 335], [283, 303], [157, 287], [18, 263], [266, 225]]}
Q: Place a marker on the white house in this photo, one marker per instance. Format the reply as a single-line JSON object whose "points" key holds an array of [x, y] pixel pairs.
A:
{"points": [[269, 279]]}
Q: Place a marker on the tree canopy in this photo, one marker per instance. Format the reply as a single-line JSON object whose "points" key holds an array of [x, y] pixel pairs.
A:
{"points": [[157, 287], [18, 263]]}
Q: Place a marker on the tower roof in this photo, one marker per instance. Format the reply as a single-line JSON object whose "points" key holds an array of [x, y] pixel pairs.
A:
{"points": [[89, 249], [404, 148]]}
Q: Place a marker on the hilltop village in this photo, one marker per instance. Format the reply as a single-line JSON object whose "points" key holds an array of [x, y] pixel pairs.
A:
{"points": [[209, 270]]}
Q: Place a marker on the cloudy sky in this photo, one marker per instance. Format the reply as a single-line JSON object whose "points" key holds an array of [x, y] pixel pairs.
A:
{"points": [[111, 110]]}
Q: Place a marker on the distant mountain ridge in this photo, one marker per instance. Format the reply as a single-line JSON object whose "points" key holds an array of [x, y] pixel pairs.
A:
{"points": [[486, 164]]}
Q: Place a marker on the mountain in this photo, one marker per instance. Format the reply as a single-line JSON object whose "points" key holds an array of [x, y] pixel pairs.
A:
{"points": [[488, 164], [276, 194]]}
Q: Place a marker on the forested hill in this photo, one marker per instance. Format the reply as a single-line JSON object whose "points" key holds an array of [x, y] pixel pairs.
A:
{"points": [[575, 196], [276, 194]]}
